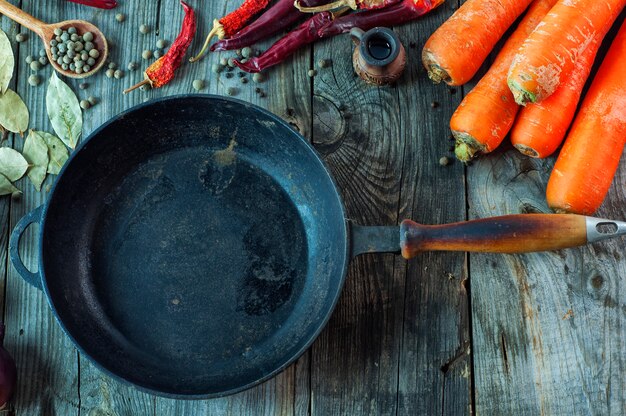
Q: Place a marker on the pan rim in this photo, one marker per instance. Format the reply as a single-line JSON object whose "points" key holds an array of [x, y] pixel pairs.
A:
{"points": [[311, 337]]}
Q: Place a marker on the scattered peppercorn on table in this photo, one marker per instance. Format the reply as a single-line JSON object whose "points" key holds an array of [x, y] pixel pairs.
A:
{"points": [[446, 333]]}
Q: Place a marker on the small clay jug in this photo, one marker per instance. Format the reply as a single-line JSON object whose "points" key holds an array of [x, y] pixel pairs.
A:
{"points": [[379, 57]]}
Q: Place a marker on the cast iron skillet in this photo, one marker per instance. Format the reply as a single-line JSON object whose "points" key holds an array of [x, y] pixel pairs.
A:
{"points": [[195, 246]]}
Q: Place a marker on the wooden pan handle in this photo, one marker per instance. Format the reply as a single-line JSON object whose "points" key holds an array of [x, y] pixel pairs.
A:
{"points": [[508, 234]]}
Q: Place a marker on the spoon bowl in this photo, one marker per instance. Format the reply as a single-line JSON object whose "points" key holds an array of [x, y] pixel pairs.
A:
{"points": [[46, 33]]}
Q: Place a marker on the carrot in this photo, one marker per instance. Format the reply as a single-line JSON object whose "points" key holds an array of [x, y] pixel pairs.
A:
{"points": [[540, 128], [486, 114], [458, 48], [550, 53], [585, 168]]}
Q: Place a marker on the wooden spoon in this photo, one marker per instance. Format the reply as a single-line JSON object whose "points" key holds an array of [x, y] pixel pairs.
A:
{"points": [[46, 33]]}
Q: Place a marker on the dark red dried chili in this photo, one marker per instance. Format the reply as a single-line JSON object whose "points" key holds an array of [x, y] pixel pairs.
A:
{"points": [[395, 14], [162, 70], [100, 4], [303, 35], [276, 19], [231, 23], [323, 25], [338, 4]]}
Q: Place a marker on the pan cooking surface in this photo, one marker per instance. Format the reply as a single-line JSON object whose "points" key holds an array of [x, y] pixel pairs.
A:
{"points": [[194, 256], [218, 238]]}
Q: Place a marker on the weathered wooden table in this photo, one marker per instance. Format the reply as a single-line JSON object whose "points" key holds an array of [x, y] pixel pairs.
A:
{"points": [[446, 333]]}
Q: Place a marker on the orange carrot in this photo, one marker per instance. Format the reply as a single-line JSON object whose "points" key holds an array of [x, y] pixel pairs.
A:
{"points": [[585, 168], [540, 128], [486, 114], [458, 48], [550, 53]]}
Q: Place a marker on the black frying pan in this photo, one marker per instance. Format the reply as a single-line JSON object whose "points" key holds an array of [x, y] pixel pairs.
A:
{"points": [[196, 246]]}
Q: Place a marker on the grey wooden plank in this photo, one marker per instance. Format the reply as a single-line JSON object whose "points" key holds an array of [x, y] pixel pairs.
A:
{"points": [[46, 362], [10, 28], [435, 365], [384, 154], [548, 327]]}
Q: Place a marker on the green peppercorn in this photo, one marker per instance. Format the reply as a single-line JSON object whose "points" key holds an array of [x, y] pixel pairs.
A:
{"points": [[89, 46], [29, 59], [72, 67], [198, 84], [109, 73], [246, 52], [92, 100], [224, 61], [65, 66], [84, 104], [323, 63], [132, 66], [43, 61], [216, 68], [91, 61], [258, 78], [312, 73], [34, 80], [66, 60], [158, 53], [118, 74], [231, 62], [232, 91], [58, 31], [112, 65], [161, 43], [144, 29], [94, 53], [65, 37], [20, 37], [35, 66], [83, 85], [72, 30], [74, 37], [444, 161], [244, 80], [147, 54], [86, 68], [120, 17], [88, 36]]}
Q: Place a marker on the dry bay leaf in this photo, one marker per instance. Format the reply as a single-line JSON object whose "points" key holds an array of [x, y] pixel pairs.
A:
{"points": [[6, 187], [36, 153], [64, 111], [12, 164], [57, 152], [7, 62], [13, 112]]}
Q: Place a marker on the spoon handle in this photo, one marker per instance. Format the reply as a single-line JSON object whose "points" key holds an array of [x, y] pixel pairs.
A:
{"points": [[21, 17]]}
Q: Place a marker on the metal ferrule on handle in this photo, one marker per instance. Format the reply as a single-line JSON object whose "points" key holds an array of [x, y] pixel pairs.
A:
{"points": [[599, 229]]}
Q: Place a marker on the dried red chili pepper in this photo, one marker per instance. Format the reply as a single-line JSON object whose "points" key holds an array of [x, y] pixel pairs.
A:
{"points": [[100, 4], [276, 19], [231, 23], [322, 25], [395, 14], [162, 70], [338, 4], [303, 35]]}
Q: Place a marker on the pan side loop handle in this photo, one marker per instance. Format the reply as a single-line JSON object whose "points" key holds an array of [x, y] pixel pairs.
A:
{"points": [[521, 233], [14, 243]]}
